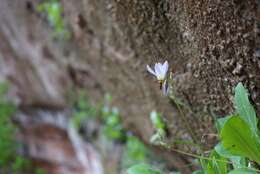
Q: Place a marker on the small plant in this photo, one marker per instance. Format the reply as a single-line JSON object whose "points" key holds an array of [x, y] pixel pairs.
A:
{"points": [[109, 117], [159, 126], [83, 110], [239, 132], [112, 124], [166, 85], [113, 128], [53, 11], [239, 146], [135, 152]]}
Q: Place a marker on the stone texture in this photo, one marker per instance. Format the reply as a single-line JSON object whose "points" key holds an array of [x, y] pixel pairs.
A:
{"points": [[211, 45]]}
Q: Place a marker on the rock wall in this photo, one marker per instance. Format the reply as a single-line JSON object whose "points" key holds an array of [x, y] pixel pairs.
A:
{"points": [[211, 45]]}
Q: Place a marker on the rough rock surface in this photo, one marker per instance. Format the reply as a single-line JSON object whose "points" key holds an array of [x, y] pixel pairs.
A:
{"points": [[211, 45]]}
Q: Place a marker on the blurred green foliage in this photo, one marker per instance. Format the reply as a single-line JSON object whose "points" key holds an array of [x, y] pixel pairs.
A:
{"points": [[135, 152], [109, 117], [83, 109], [113, 128], [53, 11], [109, 120], [159, 126], [7, 129], [157, 120], [9, 159]]}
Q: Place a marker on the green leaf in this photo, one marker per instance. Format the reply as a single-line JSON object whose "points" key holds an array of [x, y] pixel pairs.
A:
{"points": [[238, 162], [242, 171], [218, 164], [53, 10], [222, 151], [244, 108], [204, 164], [238, 139], [221, 122], [142, 169], [20, 164], [157, 120]]}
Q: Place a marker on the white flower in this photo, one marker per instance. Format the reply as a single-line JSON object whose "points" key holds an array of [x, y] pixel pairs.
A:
{"points": [[160, 70]]}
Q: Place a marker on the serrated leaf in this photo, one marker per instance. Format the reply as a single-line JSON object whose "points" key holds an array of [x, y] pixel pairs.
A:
{"points": [[244, 108], [238, 139], [142, 169]]}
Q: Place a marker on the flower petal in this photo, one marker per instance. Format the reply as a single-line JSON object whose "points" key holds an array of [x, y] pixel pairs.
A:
{"points": [[165, 65], [165, 68], [157, 69], [161, 68], [149, 69], [165, 88]]}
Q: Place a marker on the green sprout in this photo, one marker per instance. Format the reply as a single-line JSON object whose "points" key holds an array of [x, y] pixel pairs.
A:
{"points": [[113, 128], [53, 11], [159, 126], [83, 110], [108, 116]]}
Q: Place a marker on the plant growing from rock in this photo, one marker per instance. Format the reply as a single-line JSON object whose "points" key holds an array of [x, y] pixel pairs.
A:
{"points": [[239, 147]]}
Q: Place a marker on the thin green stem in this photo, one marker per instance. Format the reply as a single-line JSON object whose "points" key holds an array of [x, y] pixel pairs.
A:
{"points": [[185, 121], [187, 142], [183, 117]]}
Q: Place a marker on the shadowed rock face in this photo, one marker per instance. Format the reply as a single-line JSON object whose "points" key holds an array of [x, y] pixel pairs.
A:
{"points": [[210, 46], [55, 145]]}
